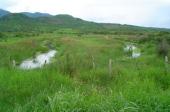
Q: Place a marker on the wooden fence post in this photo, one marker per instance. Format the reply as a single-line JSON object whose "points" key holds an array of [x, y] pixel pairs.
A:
{"points": [[166, 64], [93, 63], [13, 63], [110, 67]]}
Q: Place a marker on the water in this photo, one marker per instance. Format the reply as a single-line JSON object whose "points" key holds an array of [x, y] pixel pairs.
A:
{"points": [[136, 54], [135, 51], [39, 60]]}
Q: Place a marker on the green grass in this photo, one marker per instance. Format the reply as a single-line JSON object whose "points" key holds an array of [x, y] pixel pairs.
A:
{"points": [[71, 83]]}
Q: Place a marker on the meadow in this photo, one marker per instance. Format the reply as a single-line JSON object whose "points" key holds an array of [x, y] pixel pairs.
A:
{"points": [[80, 77]]}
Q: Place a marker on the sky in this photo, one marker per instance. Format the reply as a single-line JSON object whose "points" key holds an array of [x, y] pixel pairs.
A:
{"points": [[151, 13]]}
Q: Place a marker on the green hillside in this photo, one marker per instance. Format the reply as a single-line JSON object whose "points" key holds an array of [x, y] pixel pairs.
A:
{"points": [[21, 22], [3, 13]]}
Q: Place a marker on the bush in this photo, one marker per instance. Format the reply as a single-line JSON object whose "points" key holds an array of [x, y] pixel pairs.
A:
{"points": [[1, 35], [163, 48]]}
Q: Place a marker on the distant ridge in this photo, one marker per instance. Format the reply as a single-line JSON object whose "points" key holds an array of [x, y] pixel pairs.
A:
{"points": [[3, 12], [44, 22], [36, 14], [29, 14]]}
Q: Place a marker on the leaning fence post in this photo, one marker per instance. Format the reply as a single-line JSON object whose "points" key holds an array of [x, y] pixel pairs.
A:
{"points": [[110, 67]]}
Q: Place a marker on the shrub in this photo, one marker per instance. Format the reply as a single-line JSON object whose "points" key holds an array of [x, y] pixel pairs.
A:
{"points": [[163, 48], [1, 35]]}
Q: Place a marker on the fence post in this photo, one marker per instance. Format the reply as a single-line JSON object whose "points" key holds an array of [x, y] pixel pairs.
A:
{"points": [[13, 63], [166, 64], [45, 62], [93, 63], [110, 67]]}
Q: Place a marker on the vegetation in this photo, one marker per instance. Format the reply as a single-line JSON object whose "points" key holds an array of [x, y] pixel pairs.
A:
{"points": [[70, 83], [39, 22], [163, 48], [81, 78]]}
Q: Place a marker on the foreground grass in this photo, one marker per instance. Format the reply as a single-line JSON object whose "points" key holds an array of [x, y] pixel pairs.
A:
{"points": [[72, 82]]}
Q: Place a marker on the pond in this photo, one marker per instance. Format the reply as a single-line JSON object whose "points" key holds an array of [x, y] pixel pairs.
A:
{"points": [[135, 52], [39, 61]]}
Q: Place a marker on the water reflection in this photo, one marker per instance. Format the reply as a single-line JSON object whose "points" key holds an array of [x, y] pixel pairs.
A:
{"points": [[39, 60]]}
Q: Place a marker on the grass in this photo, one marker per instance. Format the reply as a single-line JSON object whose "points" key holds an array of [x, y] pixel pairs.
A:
{"points": [[71, 83]]}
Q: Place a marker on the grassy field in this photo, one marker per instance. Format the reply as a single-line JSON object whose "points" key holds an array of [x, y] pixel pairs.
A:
{"points": [[79, 79]]}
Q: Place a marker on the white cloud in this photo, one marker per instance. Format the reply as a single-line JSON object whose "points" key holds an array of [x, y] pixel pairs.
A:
{"points": [[137, 12], [6, 3]]}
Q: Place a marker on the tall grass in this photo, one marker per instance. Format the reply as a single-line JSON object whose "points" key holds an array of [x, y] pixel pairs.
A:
{"points": [[71, 83]]}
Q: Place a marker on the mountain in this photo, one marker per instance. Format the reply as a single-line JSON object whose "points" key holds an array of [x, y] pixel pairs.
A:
{"points": [[3, 12], [32, 15], [21, 22], [43, 22], [17, 22], [37, 14], [68, 21]]}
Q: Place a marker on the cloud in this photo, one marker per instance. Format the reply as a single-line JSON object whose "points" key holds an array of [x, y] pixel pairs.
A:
{"points": [[4, 4], [136, 12]]}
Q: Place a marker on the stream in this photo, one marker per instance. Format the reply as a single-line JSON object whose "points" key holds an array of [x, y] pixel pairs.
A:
{"points": [[39, 61]]}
